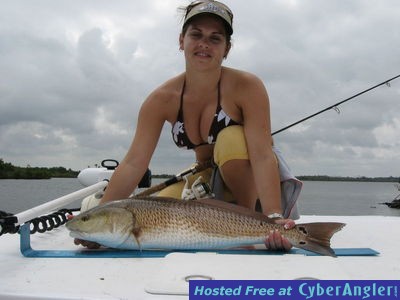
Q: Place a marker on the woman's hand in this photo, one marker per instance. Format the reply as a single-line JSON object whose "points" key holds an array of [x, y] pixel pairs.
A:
{"points": [[87, 244], [275, 240]]}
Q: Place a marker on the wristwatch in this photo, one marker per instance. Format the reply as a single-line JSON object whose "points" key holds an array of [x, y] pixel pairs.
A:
{"points": [[275, 216]]}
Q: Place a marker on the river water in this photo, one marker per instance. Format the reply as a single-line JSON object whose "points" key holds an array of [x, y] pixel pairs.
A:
{"points": [[317, 197]]}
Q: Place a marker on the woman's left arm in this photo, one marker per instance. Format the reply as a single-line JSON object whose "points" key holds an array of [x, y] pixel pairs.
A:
{"points": [[257, 128]]}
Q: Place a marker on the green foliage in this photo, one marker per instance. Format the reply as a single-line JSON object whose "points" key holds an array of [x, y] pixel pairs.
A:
{"points": [[351, 179], [8, 171]]}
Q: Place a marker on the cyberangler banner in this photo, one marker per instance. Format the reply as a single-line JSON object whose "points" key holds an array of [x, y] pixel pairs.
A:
{"points": [[293, 289]]}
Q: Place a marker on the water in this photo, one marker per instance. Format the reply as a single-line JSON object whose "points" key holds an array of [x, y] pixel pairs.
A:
{"points": [[347, 198], [19, 195], [317, 198]]}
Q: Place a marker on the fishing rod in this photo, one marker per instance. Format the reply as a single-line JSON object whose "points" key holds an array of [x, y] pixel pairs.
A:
{"points": [[202, 167], [177, 178], [8, 223], [334, 106]]}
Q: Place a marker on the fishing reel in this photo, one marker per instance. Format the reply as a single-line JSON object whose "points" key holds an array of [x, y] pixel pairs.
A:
{"points": [[198, 190]]}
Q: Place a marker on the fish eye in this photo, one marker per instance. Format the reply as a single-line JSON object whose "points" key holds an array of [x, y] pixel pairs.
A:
{"points": [[85, 218]]}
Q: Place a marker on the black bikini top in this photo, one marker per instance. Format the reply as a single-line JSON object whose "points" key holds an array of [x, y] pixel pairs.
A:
{"points": [[221, 120]]}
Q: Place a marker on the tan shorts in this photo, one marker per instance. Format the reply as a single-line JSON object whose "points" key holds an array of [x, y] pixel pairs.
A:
{"points": [[230, 144]]}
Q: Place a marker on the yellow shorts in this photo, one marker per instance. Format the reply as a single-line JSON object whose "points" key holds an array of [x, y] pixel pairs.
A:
{"points": [[230, 144]]}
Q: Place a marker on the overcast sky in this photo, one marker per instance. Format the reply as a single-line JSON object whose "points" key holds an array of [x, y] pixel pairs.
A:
{"points": [[73, 75]]}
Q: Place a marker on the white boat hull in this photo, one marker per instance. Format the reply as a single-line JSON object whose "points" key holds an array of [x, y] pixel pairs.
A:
{"points": [[155, 278]]}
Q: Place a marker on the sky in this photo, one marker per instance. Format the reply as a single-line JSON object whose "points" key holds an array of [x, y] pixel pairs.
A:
{"points": [[73, 75]]}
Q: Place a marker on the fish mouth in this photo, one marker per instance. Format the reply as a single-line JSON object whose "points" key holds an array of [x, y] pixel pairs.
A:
{"points": [[73, 225], [76, 235]]}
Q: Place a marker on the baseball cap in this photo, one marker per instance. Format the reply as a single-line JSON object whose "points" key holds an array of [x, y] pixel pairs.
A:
{"points": [[211, 7]]}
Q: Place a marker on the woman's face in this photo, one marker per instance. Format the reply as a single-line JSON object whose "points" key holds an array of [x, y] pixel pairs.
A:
{"points": [[204, 42]]}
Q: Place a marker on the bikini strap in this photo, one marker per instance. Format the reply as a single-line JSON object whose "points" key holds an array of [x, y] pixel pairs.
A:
{"points": [[219, 95], [180, 112]]}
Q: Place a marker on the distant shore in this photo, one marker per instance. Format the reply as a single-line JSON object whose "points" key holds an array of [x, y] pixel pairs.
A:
{"points": [[9, 171], [349, 179], [325, 178]]}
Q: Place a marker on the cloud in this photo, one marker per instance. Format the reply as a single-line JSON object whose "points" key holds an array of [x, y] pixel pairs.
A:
{"points": [[74, 74]]}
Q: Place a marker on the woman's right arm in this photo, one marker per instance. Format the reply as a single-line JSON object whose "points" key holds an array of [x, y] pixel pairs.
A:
{"points": [[127, 176]]}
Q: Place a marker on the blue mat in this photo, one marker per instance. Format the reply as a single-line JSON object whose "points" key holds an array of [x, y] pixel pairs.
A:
{"points": [[27, 251]]}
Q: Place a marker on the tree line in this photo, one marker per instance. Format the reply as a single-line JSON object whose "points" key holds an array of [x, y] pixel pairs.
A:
{"points": [[351, 179], [9, 171], [323, 178]]}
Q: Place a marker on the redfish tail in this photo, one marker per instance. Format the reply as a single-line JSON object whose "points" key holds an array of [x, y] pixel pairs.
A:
{"points": [[316, 237]]}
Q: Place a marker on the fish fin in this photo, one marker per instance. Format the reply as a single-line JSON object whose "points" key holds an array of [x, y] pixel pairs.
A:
{"points": [[216, 204], [317, 237], [137, 232], [234, 208]]}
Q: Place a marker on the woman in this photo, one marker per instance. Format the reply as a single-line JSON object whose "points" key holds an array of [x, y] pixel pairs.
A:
{"points": [[221, 113]]}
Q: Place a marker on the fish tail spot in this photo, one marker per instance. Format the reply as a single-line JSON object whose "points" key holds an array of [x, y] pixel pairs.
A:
{"points": [[303, 229], [317, 237]]}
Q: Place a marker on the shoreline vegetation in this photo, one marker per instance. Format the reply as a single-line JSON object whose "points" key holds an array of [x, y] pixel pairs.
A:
{"points": [[324, 178], [9, 171]]}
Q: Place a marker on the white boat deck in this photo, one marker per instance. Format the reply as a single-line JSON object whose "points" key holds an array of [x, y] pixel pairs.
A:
{"points": [[164, 278]]}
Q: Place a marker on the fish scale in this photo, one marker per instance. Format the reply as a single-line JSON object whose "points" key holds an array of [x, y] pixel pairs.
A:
{"points": [[193, 226], [166, 223]]}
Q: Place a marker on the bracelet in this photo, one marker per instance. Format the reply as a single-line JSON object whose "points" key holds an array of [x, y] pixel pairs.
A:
{"points": [[275, 216]]}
